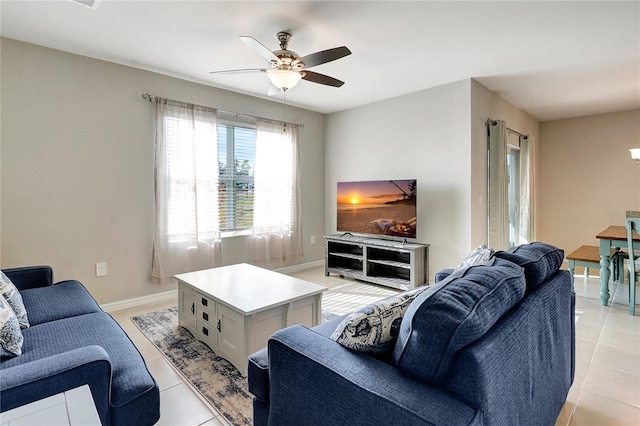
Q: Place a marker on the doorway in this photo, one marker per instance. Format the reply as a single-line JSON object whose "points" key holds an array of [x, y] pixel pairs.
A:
{"points": [[510, 187]]}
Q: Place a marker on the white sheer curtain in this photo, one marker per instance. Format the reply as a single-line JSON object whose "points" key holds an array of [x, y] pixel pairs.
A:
{"points": [[187, 236], [498, 209], [277, 235]]}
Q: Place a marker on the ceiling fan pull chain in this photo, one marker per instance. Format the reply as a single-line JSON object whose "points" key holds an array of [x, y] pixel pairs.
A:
{"points": [[284, 110]]}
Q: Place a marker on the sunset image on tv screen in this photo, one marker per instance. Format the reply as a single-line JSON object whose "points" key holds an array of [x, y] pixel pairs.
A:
{"points": [[384, 207]]}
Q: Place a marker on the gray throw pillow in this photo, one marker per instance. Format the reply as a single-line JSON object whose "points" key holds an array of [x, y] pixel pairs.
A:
{"points": [[479, 256], [10, 335], [11, 294]]}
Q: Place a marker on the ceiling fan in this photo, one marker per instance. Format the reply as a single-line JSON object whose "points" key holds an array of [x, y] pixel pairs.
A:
{"points": [[287, 68]]}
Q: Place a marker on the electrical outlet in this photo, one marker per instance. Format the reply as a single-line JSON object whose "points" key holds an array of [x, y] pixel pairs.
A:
{"points": [[101, 269], [313, 239]]}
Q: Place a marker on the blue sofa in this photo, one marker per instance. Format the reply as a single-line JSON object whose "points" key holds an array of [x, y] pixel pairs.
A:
{"points": [[491, 344], [71, 342]]}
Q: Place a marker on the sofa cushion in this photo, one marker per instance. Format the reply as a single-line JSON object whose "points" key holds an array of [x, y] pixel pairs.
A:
{"points": [[454, 313], [374, 328], [539, 260], [11, 294], [130, 378], [10, 335], [62, 300], [479, 256]]}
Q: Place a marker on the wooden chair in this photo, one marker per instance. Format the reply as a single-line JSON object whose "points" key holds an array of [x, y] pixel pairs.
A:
{"points": [[633, 224]]}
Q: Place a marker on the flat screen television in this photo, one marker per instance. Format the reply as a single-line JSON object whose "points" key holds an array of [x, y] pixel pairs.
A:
{"points": [[380, 207]]}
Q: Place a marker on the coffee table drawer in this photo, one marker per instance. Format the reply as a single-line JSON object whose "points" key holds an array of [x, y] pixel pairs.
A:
{"points": [[207, 333], [206, 303]]}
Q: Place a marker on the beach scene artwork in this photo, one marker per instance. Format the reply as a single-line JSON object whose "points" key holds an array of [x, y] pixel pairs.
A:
{"points": [[385, 207]]}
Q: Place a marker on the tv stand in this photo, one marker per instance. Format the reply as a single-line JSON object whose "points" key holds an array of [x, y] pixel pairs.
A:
{"points": [[397, 264]]}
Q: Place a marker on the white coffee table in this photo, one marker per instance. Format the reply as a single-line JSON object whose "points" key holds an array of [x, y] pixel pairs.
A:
{"points": [[234, 309]]}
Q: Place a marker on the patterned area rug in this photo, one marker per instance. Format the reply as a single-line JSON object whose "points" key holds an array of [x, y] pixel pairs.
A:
{"points": [[215, 378]]}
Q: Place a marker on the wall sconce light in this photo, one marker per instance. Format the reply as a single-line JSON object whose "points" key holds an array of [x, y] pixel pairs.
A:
{"points": [[635, 154]]}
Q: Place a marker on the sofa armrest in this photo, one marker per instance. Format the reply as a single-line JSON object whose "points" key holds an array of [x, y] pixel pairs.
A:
{"points": [[314, 380], [42, 378], [258, 378], [30, 276]]}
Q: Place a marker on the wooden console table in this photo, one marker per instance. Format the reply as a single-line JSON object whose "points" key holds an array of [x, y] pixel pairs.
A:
{"points": [[386, 262]]}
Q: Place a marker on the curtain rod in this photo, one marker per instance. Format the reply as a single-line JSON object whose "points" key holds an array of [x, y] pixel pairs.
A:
{"points": [[517, 133], [153, 98], [493, 123]]}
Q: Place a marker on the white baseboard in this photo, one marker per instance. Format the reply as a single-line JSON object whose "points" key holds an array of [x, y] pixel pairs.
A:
{"points": [[173, 294], [139, 301]]}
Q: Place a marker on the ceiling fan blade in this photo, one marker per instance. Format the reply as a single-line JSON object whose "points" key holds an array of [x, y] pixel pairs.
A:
{"points": [[259, 48], [273, 90], [240, 71], [325, 56], [315, 77]]}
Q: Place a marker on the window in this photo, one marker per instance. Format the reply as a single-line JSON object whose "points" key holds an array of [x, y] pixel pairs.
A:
{"points": [[217, 172], [237, 160]]}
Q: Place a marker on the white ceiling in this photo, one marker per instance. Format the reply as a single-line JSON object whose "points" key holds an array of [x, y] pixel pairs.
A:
{"points": [[554, 59]]}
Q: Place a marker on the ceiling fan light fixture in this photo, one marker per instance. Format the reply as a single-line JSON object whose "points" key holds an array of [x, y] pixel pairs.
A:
{"points": [[284, 79]]}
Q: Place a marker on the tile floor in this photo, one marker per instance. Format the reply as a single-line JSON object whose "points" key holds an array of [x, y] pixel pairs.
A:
{"points": [[606, 390]]}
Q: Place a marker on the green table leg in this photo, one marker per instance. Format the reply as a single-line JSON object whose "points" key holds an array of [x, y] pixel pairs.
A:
{"points": [[605, 273]]}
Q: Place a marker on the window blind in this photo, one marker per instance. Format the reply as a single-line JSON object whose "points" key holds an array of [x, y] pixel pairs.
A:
{"points": [[236, 190]]}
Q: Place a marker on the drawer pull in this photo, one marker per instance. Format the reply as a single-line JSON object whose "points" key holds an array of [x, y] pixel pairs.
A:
{"points": [[205, 331], [219, 328], [205, 316], [205, 302], [193, 308]]}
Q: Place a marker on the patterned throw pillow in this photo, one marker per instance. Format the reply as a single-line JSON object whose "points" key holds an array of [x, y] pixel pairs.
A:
{"points": [[374, 328], [10, 335], [11, 294], [479, 256]]}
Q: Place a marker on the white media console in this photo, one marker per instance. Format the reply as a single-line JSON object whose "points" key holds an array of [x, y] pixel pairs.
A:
{"points": [[391, 263]]}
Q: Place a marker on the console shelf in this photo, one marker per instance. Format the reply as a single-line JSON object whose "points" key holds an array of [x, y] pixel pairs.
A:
{"points": [[391, 263]]}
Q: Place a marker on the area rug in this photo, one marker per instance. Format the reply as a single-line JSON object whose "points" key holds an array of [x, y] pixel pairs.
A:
{"points": [[215, 378]]}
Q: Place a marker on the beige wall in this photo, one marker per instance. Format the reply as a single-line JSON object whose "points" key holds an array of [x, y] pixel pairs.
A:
{"points": [[423, 135], [438, 136], [587, 177], [77, 166], [485, 105]]}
